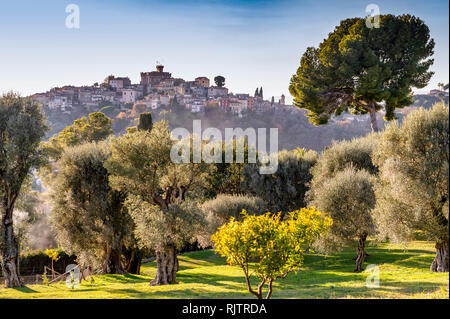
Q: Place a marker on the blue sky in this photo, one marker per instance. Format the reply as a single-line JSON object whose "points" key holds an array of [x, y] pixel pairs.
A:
{"points": [[252, 43]]}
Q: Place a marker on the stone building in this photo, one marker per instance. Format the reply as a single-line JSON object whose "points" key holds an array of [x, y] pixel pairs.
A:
{"points": [[154, 78], [119, 83], [215, 91], [202, 81]]}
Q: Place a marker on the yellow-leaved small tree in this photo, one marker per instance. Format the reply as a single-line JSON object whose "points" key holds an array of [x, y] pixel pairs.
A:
{"points": [[53, 254], [268, 246]]}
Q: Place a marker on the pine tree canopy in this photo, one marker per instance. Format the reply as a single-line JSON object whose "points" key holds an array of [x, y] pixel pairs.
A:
{"points": [[363, 70]]}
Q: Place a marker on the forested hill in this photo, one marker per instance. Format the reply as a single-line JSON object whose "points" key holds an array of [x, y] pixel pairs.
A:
{"points": [[294, 129]]}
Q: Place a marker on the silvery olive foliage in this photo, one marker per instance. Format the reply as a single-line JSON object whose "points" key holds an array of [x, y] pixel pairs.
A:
{"points": [[22, 127], [340, 155], [221, 209], [161, 195], [156, 229], [413, 193], [343, 186], [88, 216], [348, 198]]}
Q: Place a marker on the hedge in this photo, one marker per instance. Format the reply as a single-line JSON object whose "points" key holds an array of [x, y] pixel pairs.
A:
{"points": [[33, 262]]}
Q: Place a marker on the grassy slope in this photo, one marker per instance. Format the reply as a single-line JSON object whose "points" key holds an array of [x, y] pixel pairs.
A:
{"points": [[403, 274]]}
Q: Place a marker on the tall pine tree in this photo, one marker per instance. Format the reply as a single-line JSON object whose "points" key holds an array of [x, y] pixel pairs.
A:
{"points": [[364, 70]]}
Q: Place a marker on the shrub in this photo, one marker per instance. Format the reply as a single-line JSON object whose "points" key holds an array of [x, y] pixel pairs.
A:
{"points": [[219, 210], [33, 262]]}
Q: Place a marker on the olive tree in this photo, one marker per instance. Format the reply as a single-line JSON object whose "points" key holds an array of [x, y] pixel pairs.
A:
{"points": [[348, 198], [277, 246], [22, 126], [356, 153], [221, 209], [340, 155], [166, 232], [285, 189], [141, 165], [413, 193], [88, 216], [131, 252]]}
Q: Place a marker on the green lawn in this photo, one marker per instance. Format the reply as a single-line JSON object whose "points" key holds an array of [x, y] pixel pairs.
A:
{"points": [[403, 274]]}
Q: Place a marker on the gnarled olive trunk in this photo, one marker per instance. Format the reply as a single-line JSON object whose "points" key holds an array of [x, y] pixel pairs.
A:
{"points": [[440, 262], [10, 251], [112, 264], [361, 254], [166, 267], [366, 255], [133, 260]]}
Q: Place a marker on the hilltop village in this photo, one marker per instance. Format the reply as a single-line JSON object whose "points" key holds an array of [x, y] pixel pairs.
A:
{"points": [[156, 89], [179, 102]]}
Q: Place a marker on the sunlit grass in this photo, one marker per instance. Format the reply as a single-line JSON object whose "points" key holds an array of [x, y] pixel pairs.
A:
{"points": [[403, 274]]}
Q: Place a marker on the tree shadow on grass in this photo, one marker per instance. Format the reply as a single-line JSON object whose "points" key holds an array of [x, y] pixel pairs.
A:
{"points": [[384, 291], [198, 259], [124, 279], [323, 288], [201, 259], [198, 293], [414, 261], [191, 264], [209, 279], [184, 289], [344, 260], [325, 284], [25, 289]]}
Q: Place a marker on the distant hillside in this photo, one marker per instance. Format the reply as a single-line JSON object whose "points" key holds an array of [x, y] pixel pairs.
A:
{"points": [[294, 129], [426, 101]]}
